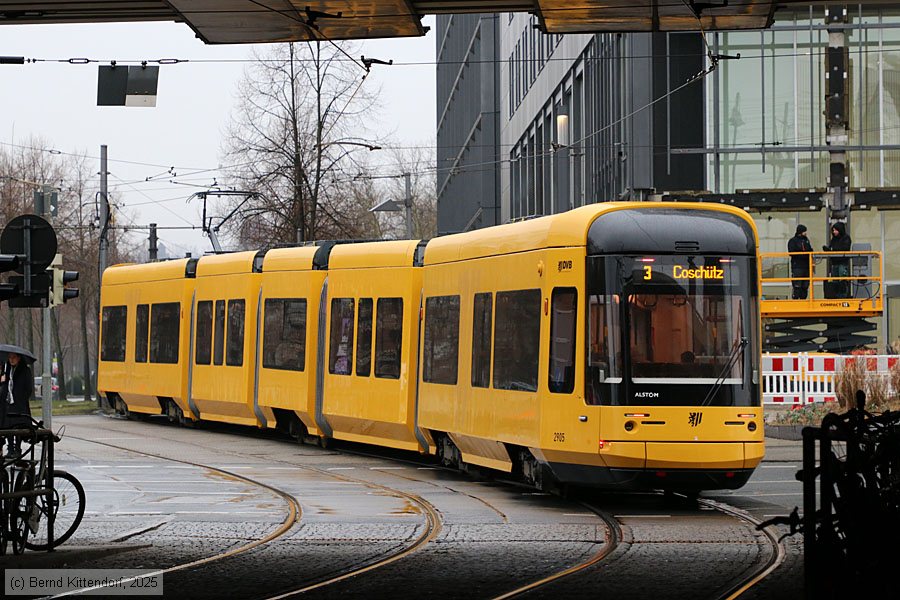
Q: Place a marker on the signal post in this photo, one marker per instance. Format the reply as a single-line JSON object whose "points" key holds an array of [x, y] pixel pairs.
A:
{"points": [[28, 247]]}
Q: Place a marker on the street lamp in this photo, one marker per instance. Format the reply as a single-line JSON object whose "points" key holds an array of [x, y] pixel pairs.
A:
{"points": [[369, 147], [395, 206]]}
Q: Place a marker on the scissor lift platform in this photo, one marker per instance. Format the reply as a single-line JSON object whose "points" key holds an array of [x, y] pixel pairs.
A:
{"points": [[860, 294], [834, 315]]}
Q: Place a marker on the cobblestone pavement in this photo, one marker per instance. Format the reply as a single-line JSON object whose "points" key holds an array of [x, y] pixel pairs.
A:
{"points": [[146, 512]]}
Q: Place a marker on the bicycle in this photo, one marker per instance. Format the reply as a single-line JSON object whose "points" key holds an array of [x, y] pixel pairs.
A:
{"points": [[35, 494], [15, 490]]}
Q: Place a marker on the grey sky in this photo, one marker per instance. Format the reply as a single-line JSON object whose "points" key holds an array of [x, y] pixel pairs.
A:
{"points": [[57, 101]]}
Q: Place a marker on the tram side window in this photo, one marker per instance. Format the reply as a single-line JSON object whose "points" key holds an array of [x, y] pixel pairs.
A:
{"points": [[142, 324], [284, 337], [388, 337], [563, 316], [481, 340], [234, 344], [517, 340], [340, 347], [364, 338], [441, 351], [165, 326], [203, 351], [114, 323], [219, 342]]}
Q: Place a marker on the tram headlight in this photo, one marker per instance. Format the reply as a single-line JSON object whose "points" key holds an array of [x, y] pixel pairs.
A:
{"points": [[751, 426], [629, 425]]}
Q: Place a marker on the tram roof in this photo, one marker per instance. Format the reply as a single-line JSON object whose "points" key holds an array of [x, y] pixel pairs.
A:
{"points": [[373, 255], [561, 230], [297, 258], [134, 273], [226, 264]]}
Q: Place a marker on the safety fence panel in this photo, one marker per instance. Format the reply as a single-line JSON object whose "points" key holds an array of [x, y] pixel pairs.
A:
{"points": [[782, 379], [818, 377], [805, 377]]}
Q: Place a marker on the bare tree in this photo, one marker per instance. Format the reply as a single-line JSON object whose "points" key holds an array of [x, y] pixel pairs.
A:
{"points": [[23, 169], [419, 163], [297, 132], [78, 228]]}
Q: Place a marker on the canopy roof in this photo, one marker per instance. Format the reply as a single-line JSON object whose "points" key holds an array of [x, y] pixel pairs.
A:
{"points": [[257, 21]]}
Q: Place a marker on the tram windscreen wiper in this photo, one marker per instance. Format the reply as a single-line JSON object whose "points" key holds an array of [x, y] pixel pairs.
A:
{"points": [[738, 351]]}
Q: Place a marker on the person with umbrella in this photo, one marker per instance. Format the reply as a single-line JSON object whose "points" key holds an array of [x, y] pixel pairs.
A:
{"points": [[16, 387]]}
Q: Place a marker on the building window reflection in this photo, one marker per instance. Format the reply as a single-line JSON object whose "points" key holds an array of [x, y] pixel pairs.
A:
{"points": [[765, 111]]}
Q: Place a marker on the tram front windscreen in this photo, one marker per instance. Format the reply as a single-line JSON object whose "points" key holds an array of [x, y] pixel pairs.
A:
{"points": [[672, 330]]}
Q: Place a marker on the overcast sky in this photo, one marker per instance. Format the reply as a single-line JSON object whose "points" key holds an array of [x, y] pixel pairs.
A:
{"points": [[57, 101]]}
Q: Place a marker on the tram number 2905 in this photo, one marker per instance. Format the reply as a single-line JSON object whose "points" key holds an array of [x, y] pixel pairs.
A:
{"points": [[559, 436]]}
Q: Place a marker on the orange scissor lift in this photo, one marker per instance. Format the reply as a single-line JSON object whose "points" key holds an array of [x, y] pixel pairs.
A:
{"points": [[834, 316]]}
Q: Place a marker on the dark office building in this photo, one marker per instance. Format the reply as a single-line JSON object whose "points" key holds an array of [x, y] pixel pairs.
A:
{"points": [[468, 118]]}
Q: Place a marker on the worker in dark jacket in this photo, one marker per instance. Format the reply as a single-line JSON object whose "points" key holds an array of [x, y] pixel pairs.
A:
{"points": [[840, 267], [16, 386], [800, 263]]}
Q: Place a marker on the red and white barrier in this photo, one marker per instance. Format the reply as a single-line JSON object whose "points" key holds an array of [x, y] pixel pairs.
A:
{"points": [[818, 378], [804, 377], [782, 379]]}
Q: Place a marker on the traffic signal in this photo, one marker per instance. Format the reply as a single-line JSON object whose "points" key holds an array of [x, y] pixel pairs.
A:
{"points": [[31, 241], [62, 294], [8, 262]]}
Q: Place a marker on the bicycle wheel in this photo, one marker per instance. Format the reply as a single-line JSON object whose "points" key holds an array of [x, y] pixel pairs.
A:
{"points": [[4, 515], [68, 506], [20, 509]]}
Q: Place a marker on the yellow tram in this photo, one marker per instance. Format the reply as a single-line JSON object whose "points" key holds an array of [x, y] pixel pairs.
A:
{"points": [[615, 345]]}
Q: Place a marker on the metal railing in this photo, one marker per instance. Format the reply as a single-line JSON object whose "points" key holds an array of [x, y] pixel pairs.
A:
{"points": [[851, 505], [849, 282]]}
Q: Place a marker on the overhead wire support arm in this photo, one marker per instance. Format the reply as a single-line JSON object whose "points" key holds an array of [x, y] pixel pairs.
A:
{"points": [[207, 227], [698, 7], [368, 62], [313, 15]]}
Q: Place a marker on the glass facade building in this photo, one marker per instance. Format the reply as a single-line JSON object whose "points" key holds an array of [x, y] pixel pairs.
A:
{"points": [[765, 111], [593, 118]]}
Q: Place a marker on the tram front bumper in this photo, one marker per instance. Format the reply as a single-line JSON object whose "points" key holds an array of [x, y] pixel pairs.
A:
{"points": [[689, 466]]}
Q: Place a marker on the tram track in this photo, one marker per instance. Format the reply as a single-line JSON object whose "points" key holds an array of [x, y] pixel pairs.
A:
{"points": [[613, 538], [775, 560], [294, 514], [615, 531], [433, 520], [621, 539], [431, 529], [430, 532], [503, 517]]}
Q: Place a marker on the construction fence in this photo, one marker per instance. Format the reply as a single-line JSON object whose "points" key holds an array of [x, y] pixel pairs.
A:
{"points": [[808, 377]]}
